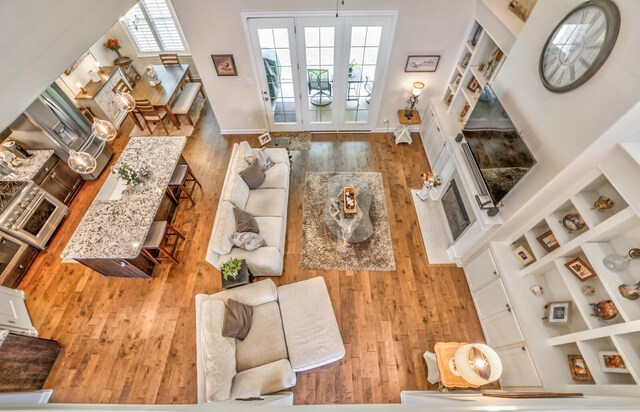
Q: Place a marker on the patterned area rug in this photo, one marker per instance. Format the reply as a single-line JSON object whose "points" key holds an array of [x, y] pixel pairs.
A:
{"points": [[185, 128], [323, 250], [296, 140]]}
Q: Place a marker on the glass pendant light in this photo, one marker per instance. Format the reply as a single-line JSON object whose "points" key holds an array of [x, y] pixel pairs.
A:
{"points": [[125, 102], [104, 130], [81, 162]]}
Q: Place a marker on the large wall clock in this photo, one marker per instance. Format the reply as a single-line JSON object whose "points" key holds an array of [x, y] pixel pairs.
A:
{"points": [[579, 45]]}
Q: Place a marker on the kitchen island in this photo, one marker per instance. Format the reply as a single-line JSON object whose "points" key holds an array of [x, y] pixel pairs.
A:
{"points": [[110, 236]]}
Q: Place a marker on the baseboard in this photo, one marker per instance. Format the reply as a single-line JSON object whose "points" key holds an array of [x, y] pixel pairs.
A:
{"points": [[412, 129], [242, 131]]}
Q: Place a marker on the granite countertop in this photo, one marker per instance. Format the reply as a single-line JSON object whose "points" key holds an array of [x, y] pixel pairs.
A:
{"points": [[30, 166], [116, 225]]}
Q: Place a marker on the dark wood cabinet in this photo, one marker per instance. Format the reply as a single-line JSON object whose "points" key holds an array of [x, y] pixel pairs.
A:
{"points": [[26, 361], [17, 273], [57, 178]]}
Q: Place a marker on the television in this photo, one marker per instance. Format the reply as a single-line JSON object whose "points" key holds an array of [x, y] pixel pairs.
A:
{"points": [[497, 154]]}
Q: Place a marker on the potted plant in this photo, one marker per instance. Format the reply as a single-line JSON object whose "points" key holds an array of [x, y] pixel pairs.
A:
{"points": [[129, 174], [114, 46], [231, 268], [352, 63]]}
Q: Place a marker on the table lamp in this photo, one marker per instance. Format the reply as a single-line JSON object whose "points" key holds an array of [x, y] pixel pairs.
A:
{"points": [[476, 363], [416, 91]]}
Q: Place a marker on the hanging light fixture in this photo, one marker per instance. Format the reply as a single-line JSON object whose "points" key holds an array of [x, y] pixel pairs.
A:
{"points": [[104, 130], [81, 162], [125, 102]]}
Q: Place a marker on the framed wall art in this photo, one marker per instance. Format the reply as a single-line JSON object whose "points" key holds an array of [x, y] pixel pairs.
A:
{"points": [[224, 64], [422, 63]]}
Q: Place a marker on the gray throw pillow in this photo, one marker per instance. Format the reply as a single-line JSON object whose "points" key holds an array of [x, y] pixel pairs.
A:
{"points": [[237, 320], [263, 158], [245, 222], [253, 175], [248, 240]]}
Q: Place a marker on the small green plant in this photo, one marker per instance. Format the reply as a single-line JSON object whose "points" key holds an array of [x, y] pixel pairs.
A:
{"points": [[352, 63], [231, 269], [129, 174]]}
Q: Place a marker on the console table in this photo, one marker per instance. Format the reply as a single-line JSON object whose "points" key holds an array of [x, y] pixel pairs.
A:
{"points": [[99, 97]]}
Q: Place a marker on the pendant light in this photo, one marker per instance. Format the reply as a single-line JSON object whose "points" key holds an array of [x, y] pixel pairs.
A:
{"points": [[104, 130], [81, 162], [125, 102]]}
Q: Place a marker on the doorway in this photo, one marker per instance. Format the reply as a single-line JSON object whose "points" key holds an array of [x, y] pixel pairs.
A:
{"points": [[321, 73]]}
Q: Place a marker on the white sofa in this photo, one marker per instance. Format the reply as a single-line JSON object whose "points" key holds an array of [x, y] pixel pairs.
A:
{"points": [[294, 329], [268, 204]]}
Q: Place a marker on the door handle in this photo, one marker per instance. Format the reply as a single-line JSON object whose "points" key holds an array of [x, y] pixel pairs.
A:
{"points": [[495, 272], [266, 99], [508, 307]]}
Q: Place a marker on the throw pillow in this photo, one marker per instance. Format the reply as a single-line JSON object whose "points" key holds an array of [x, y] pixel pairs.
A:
{"points": [[248, 240], [253, 175], [245, 222], [237, 320], [263, 158]]}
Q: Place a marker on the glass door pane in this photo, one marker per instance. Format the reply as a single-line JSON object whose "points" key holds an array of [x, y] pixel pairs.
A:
{"points": [[363, 58], [276, 58], [319, 45], [275, 53]]}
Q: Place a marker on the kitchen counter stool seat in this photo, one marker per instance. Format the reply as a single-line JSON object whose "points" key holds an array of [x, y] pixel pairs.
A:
{"points": [[181, 176], [157, 239]]}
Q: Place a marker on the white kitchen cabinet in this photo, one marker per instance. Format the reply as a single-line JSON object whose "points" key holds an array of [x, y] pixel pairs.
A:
{"points": [[481, 270], [518, 367], [502, 329], [99, 97], [491, 299]]}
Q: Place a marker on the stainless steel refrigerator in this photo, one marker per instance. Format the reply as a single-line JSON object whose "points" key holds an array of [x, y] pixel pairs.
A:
{"points": [[53, 122]]}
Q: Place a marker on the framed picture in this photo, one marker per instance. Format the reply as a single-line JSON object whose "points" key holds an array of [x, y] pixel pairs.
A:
{"points": [[224, 64], [422, 63], [522, 8], [523, 255], [557, 313], [580, 269], [473, 85], [456, 82], [611, 361], [448, 99], [548, 241], [476, 36], [264, 138], [579, 369]]}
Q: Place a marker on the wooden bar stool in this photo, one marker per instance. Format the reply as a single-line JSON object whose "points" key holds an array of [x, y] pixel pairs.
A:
{"points": [[157, 239], [181, 176]]}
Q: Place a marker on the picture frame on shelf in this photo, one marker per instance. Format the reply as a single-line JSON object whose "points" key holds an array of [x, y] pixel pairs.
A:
{"points": [[456, 82], [611, 361], [264, 138], [473, 85], [523, 256], [580, 269], [426, 63], [476, 36], [465, 60], [224, 64], [463, 112], [579, 370], [548, 241], [448, 99], [558, 313]]}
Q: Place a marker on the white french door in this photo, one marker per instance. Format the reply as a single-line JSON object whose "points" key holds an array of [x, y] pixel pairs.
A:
{"points": [[328, 73]]}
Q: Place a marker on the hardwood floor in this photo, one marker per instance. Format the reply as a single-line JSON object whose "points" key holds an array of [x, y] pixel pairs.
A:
{"points": [[133, 341]]}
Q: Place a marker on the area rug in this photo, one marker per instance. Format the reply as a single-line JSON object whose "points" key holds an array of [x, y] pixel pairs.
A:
{"points": [[185, 128], [292, 140], [323, 250]]}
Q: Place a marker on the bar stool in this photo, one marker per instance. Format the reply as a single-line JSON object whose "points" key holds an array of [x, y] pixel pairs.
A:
{"points": [[181, 176], [157, 239]]}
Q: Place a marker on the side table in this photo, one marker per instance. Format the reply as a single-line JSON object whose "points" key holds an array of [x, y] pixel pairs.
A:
{"points": [[402, 133], [244, 278]]}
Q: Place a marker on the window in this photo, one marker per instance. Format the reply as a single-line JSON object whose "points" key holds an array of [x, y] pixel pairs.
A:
{"points": [[153, 27]]}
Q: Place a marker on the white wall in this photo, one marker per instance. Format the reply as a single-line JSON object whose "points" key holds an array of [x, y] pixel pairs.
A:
{"points": [[423, 27], [40, 39]]}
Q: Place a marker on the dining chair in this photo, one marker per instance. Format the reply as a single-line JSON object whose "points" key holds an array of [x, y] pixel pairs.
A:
{"points": [[157, 239], [318, 80], [170, 59], [368, 87], [150, 114], [121, 87]]}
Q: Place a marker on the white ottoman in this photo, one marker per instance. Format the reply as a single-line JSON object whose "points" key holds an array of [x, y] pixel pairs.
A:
{"points": [[310, 326]]}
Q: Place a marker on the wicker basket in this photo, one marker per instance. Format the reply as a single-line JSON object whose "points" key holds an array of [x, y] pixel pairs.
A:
{"points": [[349, 192]]}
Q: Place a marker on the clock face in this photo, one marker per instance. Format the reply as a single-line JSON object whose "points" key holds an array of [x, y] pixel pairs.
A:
{"points": [[579, 45]]}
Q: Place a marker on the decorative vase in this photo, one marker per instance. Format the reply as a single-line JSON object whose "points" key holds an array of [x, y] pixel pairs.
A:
{"points": [[619, 263], [630, 291], [604, 310]]}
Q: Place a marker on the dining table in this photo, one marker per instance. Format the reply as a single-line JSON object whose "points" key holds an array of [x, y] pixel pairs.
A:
{"points": [[162, 95]]}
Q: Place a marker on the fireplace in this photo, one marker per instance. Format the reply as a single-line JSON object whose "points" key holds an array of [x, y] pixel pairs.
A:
{"points": [[455, 211]]}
